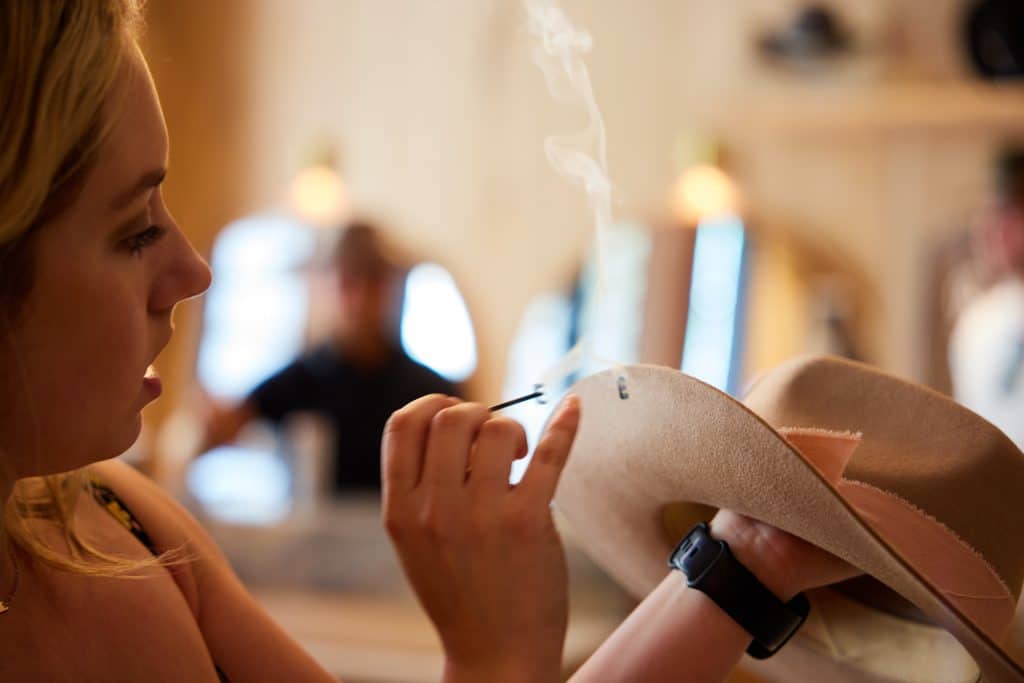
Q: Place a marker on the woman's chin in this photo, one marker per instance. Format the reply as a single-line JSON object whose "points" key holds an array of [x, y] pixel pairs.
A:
{"points": [[114, 444], [130, 437]]}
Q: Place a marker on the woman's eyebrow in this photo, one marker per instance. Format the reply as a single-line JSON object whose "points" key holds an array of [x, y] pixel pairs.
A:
{"points": [[148, 180]]}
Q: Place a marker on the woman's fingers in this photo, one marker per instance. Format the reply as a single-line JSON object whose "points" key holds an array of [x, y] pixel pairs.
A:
{"points": [[549, 458], [485, 562], [428, 443], [452, 432], [404, 441], [500, 441]]}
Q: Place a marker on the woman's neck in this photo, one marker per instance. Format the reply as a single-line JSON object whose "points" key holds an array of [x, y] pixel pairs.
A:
{"points": [[363, 348]]}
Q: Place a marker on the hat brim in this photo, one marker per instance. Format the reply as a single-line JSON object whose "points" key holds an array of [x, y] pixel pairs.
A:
{"points": [[676, 439]]}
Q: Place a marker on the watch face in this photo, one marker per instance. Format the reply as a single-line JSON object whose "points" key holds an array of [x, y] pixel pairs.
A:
{"points": [[696, 553], [994, 36]]}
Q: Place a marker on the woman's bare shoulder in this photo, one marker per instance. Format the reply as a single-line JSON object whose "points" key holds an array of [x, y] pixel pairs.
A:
{"points": [[239, 634], [170, 526], [118, 474], [165, 519], [155, 509]]}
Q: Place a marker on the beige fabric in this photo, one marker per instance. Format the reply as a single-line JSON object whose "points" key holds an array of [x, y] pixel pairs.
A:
{"points": [[844, 641], [676, 439], [897, 649]]}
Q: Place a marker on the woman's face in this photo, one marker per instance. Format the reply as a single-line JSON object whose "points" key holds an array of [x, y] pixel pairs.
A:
{"points": [[107, 275]]}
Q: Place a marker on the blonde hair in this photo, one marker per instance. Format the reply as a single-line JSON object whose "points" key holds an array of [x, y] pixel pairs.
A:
{"points": [[60, 61]]}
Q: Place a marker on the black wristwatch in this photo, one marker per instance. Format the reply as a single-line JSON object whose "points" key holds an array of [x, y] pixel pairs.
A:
{"points": [[711, 568]]}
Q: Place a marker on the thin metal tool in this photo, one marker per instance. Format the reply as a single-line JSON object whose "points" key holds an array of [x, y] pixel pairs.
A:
{"points": [[522, 399]]}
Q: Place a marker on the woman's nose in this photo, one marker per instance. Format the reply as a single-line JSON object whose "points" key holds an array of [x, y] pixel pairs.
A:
{"points": [[199, 274], [185, 275]]}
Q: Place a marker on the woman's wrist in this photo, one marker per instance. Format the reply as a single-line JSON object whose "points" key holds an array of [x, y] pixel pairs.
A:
{"points": [[755, 552]]}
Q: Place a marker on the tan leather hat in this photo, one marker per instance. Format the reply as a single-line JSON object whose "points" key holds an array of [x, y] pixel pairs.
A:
{"points": [[912, 488]]}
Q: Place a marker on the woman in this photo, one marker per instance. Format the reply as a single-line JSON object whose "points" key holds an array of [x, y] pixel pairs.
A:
{"points": [[103, 576]]}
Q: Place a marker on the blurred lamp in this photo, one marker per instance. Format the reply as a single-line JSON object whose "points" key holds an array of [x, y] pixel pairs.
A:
{"points": [[319, 196], [701, 193]]}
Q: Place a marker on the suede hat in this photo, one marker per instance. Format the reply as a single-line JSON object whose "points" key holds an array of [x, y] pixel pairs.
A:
{"points": [[901, 482]]}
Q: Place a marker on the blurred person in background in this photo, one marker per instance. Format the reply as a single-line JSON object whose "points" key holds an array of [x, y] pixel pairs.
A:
{"points": [[355, 379], [986, 348], [999, 230]]}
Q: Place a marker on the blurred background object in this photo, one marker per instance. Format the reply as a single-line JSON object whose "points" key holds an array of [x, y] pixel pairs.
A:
{"points": [[986, 303], [994, 38], [812, 40], [788, 178]]}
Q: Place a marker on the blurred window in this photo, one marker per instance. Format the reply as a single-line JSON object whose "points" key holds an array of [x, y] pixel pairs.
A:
{"points": [[436, 329], [712, 350], [554, 322], [256, 310], [244, 485], [544, 336], [613, 320], [254, 324]]}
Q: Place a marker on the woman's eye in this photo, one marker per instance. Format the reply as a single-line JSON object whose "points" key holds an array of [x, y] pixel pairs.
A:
{"points": [[139, 241]]}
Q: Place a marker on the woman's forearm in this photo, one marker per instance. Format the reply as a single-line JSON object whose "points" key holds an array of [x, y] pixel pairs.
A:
{"points": [[678, 633]]}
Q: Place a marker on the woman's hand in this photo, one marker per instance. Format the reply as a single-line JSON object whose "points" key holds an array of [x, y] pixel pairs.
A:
{"points": [[483, 556], [785, 564]]}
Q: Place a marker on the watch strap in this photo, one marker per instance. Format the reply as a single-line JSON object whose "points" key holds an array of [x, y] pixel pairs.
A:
{"points": [[711, 568]]}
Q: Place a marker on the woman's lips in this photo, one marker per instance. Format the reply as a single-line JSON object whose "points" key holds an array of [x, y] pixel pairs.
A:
{"points": [[151, 382]]}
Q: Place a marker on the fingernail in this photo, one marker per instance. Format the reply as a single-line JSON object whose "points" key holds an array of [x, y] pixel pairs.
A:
{"points": [[570, 403]]}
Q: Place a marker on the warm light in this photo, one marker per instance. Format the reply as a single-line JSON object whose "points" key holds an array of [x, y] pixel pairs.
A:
{"points": [[319, 196], [703, 192]]}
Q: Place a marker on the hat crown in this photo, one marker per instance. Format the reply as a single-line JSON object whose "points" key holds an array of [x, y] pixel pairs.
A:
{"points": [[917, 444]]}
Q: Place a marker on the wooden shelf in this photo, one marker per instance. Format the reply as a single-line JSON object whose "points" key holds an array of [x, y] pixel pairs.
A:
{"points": [[822, 109]]}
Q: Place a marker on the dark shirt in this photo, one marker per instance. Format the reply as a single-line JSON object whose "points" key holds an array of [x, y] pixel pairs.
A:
{"points": [[356, 401]]}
